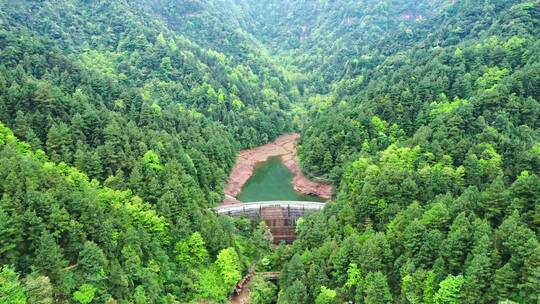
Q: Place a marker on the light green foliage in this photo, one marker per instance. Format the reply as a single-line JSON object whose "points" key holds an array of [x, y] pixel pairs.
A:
{"points": [[229, 266], [320, 103], [490, 161], [449, 290], [210, 285], [429, 288], [151, 160], [354, 276], [515, 43], [191, 252], [102, 62], [181, 250], [220, 57], [326, 296], [536, 150], [237, 104], [407, 288], [442, 107], [85, 294], [418, 287], [379, 124], [11, 290], [197, 248], [437, 216], [348, 86], [140, 295], [491, 77], [145, 215], [157, 110]]}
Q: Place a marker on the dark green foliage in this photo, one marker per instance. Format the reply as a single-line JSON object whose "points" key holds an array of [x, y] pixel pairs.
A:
{"points": [[294, 293], [262, 291], [376, 289]]}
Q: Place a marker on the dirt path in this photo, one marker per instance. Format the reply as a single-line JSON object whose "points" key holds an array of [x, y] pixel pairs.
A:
{"points": [[242, 297], [285, 147]]}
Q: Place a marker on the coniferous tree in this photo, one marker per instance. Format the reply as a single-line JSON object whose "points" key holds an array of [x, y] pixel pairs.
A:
{"points": [[376, 289]]}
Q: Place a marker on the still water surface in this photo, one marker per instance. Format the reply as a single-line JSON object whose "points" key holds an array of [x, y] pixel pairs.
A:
{"points": [[271, 180]]}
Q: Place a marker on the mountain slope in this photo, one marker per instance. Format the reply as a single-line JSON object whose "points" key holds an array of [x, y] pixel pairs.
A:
{"points": [[436, 158], [106, 87]]}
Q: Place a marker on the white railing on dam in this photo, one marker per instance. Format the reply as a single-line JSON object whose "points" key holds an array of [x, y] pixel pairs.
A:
{"points": [[249, 206]]}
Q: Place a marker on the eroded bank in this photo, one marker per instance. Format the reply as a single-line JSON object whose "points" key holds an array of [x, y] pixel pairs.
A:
{"points": [[284, 147]]}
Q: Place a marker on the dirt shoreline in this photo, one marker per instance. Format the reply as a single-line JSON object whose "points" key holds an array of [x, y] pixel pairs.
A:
{"points": [[284, 147]]}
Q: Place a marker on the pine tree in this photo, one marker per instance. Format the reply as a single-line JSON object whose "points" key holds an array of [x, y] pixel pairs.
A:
{"points": [[531, 287], [92, 263], [504, 282], [376, 289], [59, 143], [293, 270], [457, 243], [296, 293], [49, 257], [478, 275], [8, 236]]}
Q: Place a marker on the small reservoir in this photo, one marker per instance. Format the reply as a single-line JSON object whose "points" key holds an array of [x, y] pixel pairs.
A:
{"points": [[271, 181]]}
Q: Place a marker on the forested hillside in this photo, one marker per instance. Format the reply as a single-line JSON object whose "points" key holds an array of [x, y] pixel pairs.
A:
{"points": [[329, 40], [121, 120], [436, 154], [107, 88], [78, 242], [423, 91]]}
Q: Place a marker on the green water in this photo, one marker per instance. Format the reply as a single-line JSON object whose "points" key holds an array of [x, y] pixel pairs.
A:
{"points": [[272, 181]]}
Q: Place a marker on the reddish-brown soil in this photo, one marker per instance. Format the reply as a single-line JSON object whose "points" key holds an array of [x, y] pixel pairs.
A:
{"points": [[284, 147], [242, 297]]}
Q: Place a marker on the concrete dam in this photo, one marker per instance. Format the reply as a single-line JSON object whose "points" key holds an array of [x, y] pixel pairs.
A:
{"points": [[280, 216]]}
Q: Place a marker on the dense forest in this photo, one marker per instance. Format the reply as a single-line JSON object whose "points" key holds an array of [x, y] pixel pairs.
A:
{"points": [[436, 155], [135, 128], [120, 122]]}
